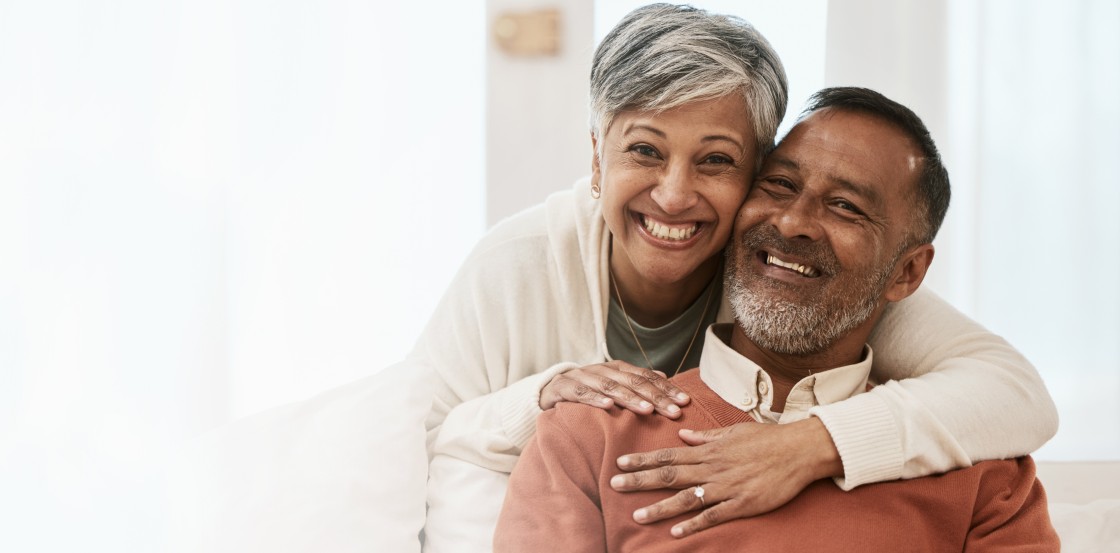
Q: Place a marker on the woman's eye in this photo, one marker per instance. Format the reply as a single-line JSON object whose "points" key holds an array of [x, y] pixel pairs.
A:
{"points": [[718, 158], [644, 150]]}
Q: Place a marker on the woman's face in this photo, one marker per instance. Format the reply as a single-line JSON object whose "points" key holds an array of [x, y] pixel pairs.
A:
{"points": [[672, 183]]}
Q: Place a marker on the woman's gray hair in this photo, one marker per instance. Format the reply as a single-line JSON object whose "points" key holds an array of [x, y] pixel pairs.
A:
{"points": [[663, 56]]}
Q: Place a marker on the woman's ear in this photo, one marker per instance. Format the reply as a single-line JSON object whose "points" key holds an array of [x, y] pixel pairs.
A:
{"points": [[594, 155], [595, 169], [909, 272]]}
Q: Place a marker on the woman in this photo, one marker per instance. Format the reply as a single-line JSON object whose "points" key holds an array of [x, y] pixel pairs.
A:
{"points": [[627, 267]]}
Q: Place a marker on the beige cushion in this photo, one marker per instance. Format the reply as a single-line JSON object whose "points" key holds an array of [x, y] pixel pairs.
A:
{"points": [[1084, 501]]}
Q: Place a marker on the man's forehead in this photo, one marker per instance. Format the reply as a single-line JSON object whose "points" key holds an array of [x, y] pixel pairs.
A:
{"points": [[852, 148]]}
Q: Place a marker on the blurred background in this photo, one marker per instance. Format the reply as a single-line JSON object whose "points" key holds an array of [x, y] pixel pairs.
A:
{"points": [[209, 208]]}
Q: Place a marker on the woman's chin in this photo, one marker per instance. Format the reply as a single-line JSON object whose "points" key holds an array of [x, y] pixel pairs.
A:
{"points": [[667, 273], [664, 267]]}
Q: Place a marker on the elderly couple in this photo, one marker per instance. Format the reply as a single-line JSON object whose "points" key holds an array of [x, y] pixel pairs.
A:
{"points": [[829, 387]]}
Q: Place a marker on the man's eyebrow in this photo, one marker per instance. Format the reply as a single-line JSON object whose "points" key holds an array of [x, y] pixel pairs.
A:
{"points": [[784, 162], [870, 193]]}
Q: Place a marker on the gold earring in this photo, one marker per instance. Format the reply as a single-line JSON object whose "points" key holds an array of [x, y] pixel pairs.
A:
{"points": [[595, 192]]}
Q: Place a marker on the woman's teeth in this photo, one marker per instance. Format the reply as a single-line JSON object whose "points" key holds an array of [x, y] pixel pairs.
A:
{"points": [[665, 232], [806, 271]]}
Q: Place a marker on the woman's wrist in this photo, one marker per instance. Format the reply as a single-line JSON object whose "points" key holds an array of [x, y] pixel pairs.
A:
{"points": [[821, 457]]}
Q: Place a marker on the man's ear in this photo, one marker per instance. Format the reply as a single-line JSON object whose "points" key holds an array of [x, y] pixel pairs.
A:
{"points": [[909, 273]]}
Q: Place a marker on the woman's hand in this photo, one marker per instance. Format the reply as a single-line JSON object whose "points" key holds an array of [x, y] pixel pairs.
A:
{"points": [[616, 383], [745, 470]]}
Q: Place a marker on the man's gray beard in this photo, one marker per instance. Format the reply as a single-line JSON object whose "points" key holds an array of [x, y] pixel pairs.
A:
{"points": [[781, 326]]}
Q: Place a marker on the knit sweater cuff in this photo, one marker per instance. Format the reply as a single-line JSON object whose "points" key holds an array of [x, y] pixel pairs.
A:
{"points": [[867, 438], [522, 404]]}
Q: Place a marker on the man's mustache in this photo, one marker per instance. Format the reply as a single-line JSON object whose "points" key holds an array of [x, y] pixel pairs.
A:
{"points": [[814, 253]]}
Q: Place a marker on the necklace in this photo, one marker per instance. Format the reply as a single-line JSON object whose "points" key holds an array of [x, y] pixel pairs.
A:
{"points": [[695, 333]]}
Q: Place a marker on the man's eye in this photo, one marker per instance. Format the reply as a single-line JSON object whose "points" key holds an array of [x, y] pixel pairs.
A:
{"points": [[848, 206], [779, 184]]}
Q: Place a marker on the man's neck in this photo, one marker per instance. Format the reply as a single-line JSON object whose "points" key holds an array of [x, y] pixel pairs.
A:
{"points": [[787, 370]]}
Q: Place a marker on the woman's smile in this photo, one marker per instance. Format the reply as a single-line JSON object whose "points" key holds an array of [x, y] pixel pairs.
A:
{"points": [[671, 234], [672, 182]]}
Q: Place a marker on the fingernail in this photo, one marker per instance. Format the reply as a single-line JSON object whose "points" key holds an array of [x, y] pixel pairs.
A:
{"points": [[617, 481], [623, 461], [606, 401], [640, 515], [645, 405], [677, 531], [682, 396], [674, 409]]}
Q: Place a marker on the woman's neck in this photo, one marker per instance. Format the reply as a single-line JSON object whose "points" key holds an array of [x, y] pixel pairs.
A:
{"points": [[653, 304]]}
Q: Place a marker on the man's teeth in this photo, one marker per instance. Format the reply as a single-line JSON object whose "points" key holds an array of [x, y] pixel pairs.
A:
{"points": [[807, 271], [669, 233]]}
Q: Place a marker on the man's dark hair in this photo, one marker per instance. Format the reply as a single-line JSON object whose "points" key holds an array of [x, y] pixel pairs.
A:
{"points": [[933, 182]]}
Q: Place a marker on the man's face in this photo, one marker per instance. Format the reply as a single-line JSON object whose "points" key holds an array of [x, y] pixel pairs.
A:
{"points": [[817, 243]]}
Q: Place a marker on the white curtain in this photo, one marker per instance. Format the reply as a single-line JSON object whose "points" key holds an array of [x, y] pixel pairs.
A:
{"points": [[1038, 88], [1022, 100], [208, 208]]}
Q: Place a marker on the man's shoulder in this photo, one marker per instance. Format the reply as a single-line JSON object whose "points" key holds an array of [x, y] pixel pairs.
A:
{"points": [[999, 476], [997, 473], [618, 429]]}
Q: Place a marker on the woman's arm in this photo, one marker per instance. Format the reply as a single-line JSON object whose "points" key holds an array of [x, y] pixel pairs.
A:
{"points": [[954, 392], [478, 444], [961, 395]]}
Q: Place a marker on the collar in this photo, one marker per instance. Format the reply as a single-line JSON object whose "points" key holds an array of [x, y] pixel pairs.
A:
{"points": [[742, 383]]}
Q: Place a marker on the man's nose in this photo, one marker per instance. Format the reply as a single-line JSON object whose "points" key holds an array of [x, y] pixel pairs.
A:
{"points": [[800, 218]]}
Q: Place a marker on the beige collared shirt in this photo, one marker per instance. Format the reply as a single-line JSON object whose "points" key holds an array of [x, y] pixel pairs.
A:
{"points": [[742, 383]]}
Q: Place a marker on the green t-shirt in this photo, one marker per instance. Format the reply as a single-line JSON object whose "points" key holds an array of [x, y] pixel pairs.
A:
{"points": [[665, 345]]}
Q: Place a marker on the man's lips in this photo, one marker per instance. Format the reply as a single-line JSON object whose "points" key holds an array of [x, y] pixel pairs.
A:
{"points": [[802, 269]]}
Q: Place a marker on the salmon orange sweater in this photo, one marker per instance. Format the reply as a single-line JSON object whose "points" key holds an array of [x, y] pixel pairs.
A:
{"points": [[559, 497]]}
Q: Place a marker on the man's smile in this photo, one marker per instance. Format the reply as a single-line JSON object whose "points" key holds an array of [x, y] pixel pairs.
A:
{"points": [[803, 270]]}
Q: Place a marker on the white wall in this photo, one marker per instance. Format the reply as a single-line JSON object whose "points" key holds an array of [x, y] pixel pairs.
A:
{"points": [[537, 137]]}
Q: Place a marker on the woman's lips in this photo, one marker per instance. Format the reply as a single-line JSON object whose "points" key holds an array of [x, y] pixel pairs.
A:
{"points": [[667, 231]]}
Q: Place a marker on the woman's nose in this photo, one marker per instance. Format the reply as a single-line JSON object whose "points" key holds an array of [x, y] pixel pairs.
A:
{"points": [[676, 190]]}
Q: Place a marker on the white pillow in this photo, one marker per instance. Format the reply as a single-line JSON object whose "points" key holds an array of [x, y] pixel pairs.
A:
{"points": [[343, 471]]}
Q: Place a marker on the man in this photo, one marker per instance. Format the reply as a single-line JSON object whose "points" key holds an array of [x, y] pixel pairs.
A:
{"points": [[838, 224]]}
